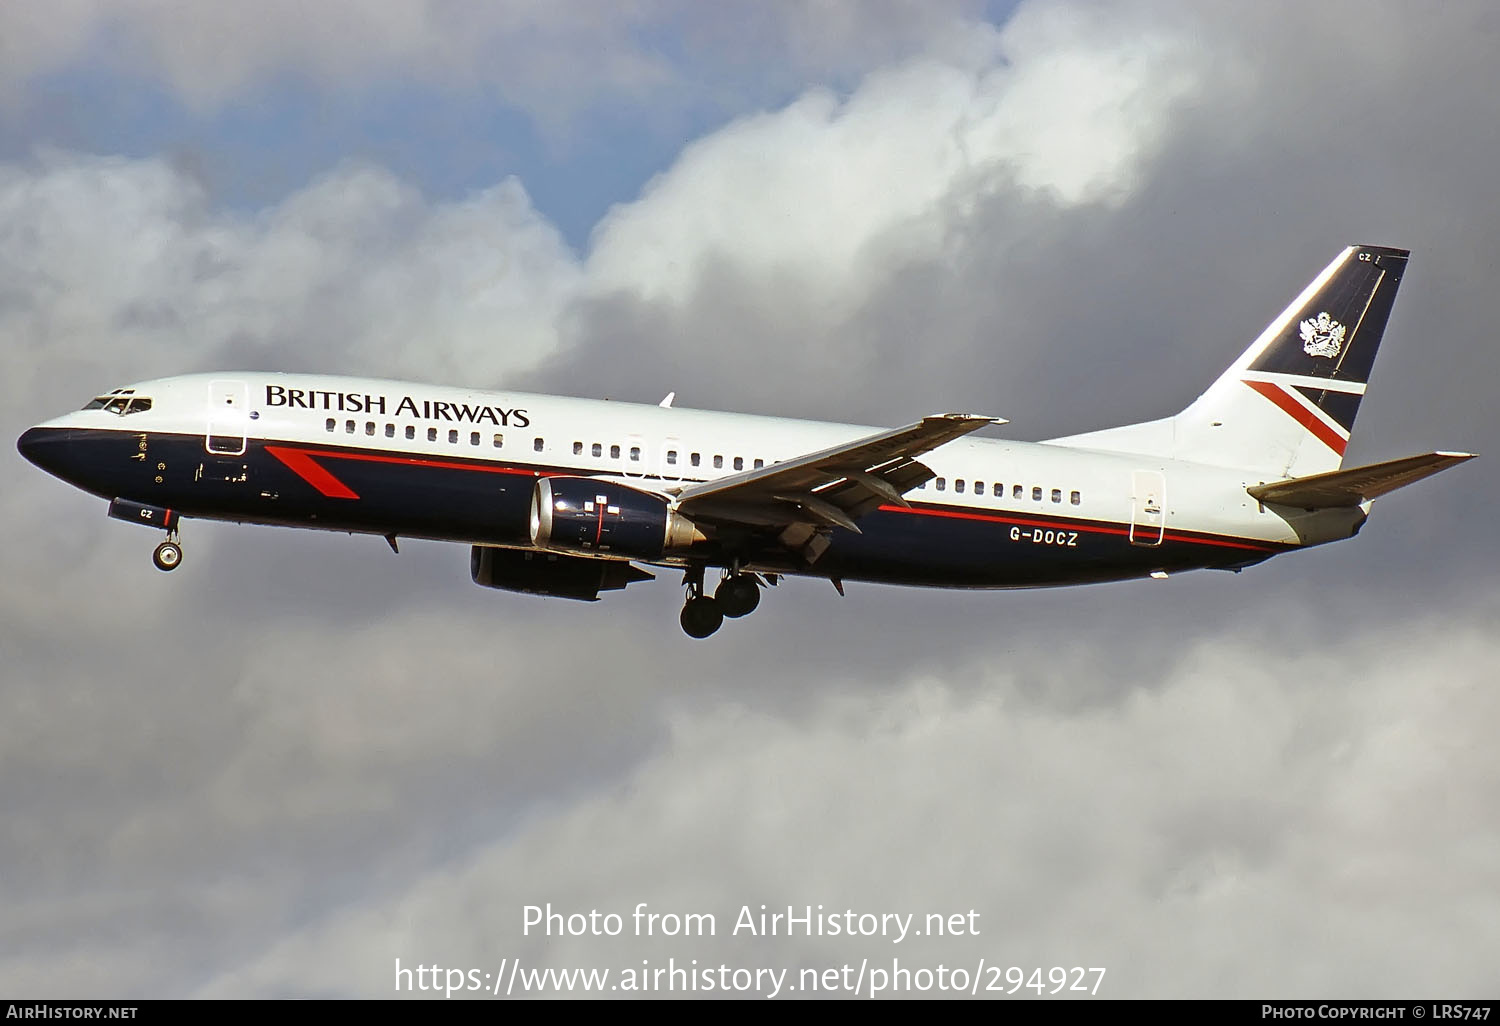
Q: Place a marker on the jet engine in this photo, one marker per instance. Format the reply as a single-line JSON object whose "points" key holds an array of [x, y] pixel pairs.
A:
{"points": [[593, 517], [546, 573]]}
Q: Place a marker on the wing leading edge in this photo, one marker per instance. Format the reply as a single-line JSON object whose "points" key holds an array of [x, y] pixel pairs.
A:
{"points": [[808, 496]]}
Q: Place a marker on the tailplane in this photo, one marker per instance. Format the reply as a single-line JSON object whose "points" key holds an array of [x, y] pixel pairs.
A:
{"points": [[1340, 489], [1286, 407]]}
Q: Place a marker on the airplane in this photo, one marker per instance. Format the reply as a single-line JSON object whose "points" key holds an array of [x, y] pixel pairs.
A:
{"points": [[571, 497]]}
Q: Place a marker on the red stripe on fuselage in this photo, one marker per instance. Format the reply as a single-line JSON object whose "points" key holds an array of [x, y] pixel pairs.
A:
{"points": [[303, 463], [1191, 539], [1301, 414]]}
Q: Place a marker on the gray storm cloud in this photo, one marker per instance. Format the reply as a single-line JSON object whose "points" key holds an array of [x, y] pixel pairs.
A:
{"points": [[300, 756]]}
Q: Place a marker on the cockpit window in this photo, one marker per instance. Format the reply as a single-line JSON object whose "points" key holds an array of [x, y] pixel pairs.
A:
{"points": [[120, 402]]}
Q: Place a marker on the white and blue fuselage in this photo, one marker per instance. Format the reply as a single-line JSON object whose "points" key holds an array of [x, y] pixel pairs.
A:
{"points": [[560, 495]]}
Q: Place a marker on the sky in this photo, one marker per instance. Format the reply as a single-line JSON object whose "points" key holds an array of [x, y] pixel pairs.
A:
{"points": [[299, 758]]}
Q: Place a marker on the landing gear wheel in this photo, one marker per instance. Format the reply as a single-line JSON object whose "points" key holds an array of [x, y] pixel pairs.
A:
{"points": [[167, 555], [701, 617], [738, 595]]}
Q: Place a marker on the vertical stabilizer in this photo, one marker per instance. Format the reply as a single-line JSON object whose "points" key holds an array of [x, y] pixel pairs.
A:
{"points": [[1286, 407]]}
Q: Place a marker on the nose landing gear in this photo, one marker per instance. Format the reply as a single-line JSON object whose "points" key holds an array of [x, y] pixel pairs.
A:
{"points": [[167, 555]]}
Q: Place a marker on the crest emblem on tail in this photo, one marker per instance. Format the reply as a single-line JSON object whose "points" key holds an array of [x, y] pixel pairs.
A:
{"points": [[1322, 336]]}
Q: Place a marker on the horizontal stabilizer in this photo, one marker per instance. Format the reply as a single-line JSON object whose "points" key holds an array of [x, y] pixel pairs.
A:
{"points": [[1356, 485]]}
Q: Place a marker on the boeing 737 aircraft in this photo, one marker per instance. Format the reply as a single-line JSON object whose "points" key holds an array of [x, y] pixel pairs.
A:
{"points": [[564, 497]]}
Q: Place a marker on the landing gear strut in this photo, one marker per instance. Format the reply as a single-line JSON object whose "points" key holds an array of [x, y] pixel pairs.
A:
{"points": [[168, 554], [737, 595]]}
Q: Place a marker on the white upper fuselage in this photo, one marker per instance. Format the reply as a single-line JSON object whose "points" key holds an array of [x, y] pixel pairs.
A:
{"points": [[658, 448]]}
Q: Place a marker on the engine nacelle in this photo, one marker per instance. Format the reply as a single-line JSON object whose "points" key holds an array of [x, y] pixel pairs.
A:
{"points": [[546, 573], [601, 518]]}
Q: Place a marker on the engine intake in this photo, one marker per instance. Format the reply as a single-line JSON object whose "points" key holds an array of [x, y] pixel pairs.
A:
{"points": [[600, 518], [546, 573]]}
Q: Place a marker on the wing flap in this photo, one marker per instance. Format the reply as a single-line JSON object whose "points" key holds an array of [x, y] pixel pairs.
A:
{"points": [[1358, 484], [834, 485]]}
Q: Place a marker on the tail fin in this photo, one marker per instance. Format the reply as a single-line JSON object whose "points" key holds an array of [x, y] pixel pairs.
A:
{"points": [[1286, 407]]}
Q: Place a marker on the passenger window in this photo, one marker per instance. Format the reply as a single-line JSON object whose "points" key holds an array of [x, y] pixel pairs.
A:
{"points": [[718, 462], [999, 490], [390, 431], [330, 423], [1075, 498], [672, 457], [739, 463], [1015, 493], [1057, 495], [411, 432], [577, 448], [614, 452], [499, 441], [958, 485], [369, 427], [1036, 493], [635, 454], [695, 459], [348, 427], [452, 436], [759, 464], [537, 444], [941, 484], [432, 434], [596, 449], [978, 487], [473, 437]]}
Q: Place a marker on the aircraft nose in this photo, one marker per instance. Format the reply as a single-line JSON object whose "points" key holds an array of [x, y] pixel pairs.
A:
{"points": [[47, 448], [31, 445]]}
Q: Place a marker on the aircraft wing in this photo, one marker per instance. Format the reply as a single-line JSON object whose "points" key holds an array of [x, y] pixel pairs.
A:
{"points": [[1358, 484], [810, 494]]}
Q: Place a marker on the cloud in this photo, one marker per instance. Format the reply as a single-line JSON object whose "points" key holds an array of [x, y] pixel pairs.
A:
{"points": [[547, 59], [120, 269], [1268, 802], [823, 189], [1238, 801], [300, 756]]}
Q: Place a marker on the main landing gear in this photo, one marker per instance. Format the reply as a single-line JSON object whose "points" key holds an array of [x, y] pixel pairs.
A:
{"points": [[737, 595]]}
